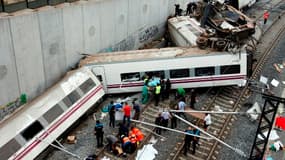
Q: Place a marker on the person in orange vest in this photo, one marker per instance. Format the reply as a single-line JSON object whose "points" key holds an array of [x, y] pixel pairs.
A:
{"points": [[133, 140], [139, 135], [126, 144], [265, 16]]}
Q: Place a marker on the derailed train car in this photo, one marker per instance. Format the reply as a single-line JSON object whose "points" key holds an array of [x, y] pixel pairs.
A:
{"points": [[30, 130], [123, 72]]}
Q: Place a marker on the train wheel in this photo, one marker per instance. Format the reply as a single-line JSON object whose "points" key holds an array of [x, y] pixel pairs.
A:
{"points": [[221, 44], [202, 42]]}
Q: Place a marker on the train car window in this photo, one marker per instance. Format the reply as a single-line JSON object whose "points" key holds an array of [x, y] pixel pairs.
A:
{"points": [[74, 96], [157, 74], [230, 69], [32, 130], [205, 71], [179, 73], [9, 149], [100, 78], [130, 77], [53, 113], [87, 85]]}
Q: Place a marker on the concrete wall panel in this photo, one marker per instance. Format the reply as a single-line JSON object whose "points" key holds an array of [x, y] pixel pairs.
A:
{"points": [[121, 20], [52, 41], [163, 15], [154, 12], [134, 14], [145, 13], [108, 23], [92, 27], [8, 72], [28, 55], [73, 34], [45, 43]]}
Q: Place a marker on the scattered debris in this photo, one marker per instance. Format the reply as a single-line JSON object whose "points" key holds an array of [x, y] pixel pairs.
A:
{"points": [[254, 109], [71, 139], [274, 82], [277, 68], [212, 25]]}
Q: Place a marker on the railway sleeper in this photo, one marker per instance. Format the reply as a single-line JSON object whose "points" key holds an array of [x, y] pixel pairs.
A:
{"points": [[194, 157], [219, 116], [227, 97], [224, 101], [150, 114], [218, 120], [230, 92]]}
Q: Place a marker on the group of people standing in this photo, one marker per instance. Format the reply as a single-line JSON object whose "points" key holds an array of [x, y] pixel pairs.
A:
{"points": [[124, 136], [160, 88], [191, 7]]}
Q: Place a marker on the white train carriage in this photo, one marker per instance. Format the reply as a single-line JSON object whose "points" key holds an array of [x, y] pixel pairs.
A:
{"points": [[122, 72], [28, 131], [240, 4]]}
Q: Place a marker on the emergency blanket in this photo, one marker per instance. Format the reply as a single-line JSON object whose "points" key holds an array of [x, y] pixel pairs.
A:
{"points": [[280, 122], [273, 135], [148, 152]]}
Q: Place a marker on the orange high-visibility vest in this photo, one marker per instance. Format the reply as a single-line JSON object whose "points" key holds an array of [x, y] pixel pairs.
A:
{"points": [[138, 133], [125, 140], [133, 138]]}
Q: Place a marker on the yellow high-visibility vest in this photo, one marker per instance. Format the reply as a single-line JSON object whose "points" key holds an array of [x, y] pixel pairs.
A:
{"points": [[157, 89]]}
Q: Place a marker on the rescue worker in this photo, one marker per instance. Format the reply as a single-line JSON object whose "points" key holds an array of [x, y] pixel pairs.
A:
{"points": [[158, 121], [173, 120], [165, 118], [167, 88], [126, 144], [187, 140], [157, 94], [139, 135], [144, 94], [137, 109], [112, 140], [123, 130], [177, 8], [207, 121], [98, 131], [133, 140], [181, 107], [192, 99], [195, 139], [180, 92], [112, 112], [127, 114], [265, 16]]}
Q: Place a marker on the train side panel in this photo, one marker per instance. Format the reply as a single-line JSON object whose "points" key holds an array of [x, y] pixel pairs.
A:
{"points": [[114, 72], [30, 130]]}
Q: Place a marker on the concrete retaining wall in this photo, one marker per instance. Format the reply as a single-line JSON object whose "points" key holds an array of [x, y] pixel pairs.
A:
{"points": [[38, 47]]}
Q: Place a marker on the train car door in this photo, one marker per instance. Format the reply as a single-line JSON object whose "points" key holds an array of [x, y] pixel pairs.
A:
{"points": [[99, 71]]}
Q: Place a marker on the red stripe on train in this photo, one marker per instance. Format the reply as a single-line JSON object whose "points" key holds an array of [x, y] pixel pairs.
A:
{"points": [[136, 84], [59, 122]]}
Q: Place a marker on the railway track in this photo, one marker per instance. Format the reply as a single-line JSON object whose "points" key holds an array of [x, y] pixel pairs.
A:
{"points": [[228, 99]]}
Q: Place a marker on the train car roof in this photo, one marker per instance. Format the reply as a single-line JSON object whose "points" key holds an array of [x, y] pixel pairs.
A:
{"points": [[143, 55]]}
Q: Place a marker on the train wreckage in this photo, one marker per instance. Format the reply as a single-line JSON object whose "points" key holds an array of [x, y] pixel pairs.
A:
{"points": [[213, 25]]}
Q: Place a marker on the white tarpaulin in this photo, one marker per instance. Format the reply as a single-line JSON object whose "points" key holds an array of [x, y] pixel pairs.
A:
{"points": [[273, 135], [147, 152]]}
